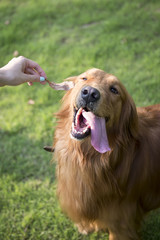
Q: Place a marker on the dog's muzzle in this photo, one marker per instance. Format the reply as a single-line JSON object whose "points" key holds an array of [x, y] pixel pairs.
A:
{"points": [[88, 98], [86, 102]]}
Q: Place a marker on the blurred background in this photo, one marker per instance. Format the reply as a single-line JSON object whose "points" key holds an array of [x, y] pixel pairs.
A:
{"points": [[65, 37]]}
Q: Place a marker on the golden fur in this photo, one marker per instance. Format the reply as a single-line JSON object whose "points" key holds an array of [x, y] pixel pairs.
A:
{"points": [[115, 189]]}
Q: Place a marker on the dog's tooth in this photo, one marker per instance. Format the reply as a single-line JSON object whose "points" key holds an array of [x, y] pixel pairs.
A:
{"points": [[85, 129], [77, 119], [73, 128], [79, 112]]}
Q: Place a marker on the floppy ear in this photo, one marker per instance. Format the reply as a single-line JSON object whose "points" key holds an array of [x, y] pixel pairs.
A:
{"points": [[66, 85], [128, 119]]}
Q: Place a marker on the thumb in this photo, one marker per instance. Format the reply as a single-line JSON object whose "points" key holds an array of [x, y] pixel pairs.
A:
{"points": [[31, 78]]}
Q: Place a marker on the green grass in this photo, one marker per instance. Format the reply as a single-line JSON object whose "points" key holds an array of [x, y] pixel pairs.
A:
{"points": [[66, 38]]}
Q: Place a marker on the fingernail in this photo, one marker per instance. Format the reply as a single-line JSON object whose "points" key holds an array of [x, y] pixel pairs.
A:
{"points": [[42, 79]]}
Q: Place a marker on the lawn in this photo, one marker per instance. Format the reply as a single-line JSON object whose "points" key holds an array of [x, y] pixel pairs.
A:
{"points": [[66, 38]]}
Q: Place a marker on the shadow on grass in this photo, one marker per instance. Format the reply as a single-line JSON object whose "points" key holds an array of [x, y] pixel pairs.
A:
{"points": [[24, 158], [151, 226]]}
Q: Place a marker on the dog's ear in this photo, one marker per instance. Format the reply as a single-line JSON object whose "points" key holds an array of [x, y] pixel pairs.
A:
{"points": [[129, 119], [66, 85]]}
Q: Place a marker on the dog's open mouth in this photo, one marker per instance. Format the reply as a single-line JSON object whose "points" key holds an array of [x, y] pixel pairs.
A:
{"points": [[80, 127], [86, 123]]}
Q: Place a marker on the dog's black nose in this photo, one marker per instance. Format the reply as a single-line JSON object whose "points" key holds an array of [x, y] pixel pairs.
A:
{"points": [[90, 94]]}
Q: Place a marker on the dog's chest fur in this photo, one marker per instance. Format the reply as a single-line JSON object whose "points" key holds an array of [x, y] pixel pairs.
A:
{"points": [[85, 182]]}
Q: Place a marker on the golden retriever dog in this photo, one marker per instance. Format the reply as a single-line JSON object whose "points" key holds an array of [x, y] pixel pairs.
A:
{"points": [[108, 156]]}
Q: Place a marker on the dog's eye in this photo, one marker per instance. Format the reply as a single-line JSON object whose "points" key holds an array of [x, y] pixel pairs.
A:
{"points": [[84, 78], [114, 90]]}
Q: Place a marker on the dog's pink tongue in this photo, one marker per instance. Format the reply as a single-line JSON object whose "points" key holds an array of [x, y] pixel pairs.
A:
{"points": [[99, 138]]}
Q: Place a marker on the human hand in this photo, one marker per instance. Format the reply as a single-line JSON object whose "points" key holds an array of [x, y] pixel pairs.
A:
{"points": [[20, 70]]}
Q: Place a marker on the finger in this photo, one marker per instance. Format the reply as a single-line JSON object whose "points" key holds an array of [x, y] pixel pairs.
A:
{"points": [[31, 64], [32, 78], [31, 71]]}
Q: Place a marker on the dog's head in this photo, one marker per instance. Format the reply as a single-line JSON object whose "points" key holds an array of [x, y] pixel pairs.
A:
{"points": [[100, 106]]}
